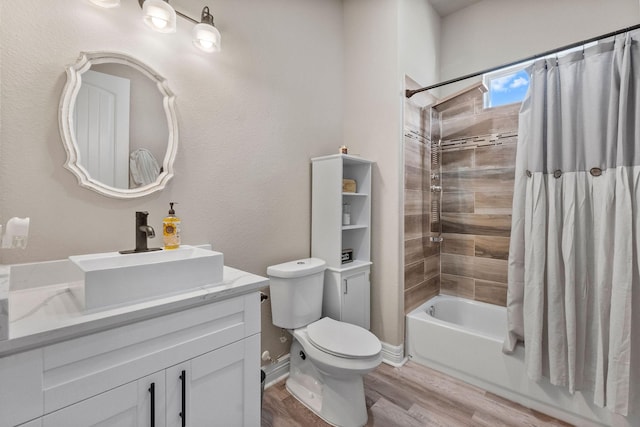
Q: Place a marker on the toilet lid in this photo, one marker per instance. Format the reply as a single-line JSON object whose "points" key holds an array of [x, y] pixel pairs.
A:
{"points": [[343, 339]]}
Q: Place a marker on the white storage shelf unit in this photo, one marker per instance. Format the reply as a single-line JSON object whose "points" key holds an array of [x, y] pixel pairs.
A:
{"points": [[329, 236]]}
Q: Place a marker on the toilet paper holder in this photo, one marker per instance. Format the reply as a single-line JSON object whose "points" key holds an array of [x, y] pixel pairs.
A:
{"points": [[16, 233]]}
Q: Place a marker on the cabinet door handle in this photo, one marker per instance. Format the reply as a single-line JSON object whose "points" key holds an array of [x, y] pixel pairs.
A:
{"points": [[152, 391], [346, 286], [183, 414]]}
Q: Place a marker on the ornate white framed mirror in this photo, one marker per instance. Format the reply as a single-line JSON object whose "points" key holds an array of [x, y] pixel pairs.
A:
{"points": [[118, 125]]}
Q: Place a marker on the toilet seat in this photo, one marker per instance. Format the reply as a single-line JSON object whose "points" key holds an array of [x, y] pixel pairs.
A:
{"points": [[343, 339]]}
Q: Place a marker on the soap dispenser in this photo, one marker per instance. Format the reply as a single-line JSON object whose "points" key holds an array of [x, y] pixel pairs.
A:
{"points": [[171, 229]]}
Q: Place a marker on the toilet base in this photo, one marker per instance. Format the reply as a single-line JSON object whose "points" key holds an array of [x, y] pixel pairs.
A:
{"points": [[339, 401]]}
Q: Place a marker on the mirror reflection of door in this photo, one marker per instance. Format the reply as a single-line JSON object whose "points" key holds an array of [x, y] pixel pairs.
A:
{"points": [[102, 127]]}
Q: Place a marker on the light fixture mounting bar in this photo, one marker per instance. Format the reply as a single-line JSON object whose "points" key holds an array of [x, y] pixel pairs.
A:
{"points": [[188, 18], [180, 14]]}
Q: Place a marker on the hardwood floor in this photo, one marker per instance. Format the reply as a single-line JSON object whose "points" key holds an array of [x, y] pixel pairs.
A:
{"points": [[412, 396]]}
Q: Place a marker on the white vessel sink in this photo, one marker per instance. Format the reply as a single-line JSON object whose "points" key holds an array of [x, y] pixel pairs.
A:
{"points": [[113, 278]]}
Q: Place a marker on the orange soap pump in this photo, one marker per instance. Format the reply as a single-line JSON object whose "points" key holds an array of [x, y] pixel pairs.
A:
{"points": [[171, 229]]}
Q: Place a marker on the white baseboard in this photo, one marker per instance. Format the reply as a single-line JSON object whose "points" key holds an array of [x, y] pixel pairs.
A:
{"points": [[276, 371], [393, 354]]}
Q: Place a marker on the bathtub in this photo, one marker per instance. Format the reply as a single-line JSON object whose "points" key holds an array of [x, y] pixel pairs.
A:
{"points": [[463, 338]]}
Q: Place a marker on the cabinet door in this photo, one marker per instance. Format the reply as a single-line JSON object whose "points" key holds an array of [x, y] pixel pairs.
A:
{"points": [[152, 400], [129, 405], [355, 299], [178, 394], [219, 388], [21, 396]]}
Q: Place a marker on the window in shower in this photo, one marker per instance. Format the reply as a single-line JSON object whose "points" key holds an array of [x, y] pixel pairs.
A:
{"points": [[506, 86], [510, 84]]}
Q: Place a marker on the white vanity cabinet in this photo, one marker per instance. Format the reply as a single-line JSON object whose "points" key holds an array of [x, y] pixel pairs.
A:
{"points": [[128, 405], [208, 390], [203, 363], [211, 390]]}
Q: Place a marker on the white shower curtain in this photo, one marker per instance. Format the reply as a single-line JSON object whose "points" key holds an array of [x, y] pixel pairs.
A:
{"points": [[574, 255]]}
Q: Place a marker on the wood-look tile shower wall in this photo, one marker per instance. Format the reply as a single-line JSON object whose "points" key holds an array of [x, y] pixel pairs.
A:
{"points": [[478, 161], [421, 258]]}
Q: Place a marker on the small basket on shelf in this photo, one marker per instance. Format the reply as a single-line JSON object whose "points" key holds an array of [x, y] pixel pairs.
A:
{"points": [[348, 185]]}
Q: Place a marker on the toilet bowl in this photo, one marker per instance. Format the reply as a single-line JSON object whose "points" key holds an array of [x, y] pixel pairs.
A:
{"points": [[339, 348], [331, 384], [328, 358]]}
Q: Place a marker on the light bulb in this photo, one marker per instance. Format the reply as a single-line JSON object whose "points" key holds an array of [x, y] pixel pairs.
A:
{"points": [[205, 44], [206, 37], [158, 23], [159, 16]]}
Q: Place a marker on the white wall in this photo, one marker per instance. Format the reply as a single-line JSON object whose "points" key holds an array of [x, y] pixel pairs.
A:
{"points": [[250, 119], [495, 32], [419, 41], [384, 40], [371, 128]]}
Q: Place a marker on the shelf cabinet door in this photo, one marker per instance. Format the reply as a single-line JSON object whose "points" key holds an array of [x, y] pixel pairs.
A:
{"points": [[221, 388], [356, 298], [126, 406]]}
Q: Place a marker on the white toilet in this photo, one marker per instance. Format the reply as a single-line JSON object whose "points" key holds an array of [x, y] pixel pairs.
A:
{"points": [[328, 357]]}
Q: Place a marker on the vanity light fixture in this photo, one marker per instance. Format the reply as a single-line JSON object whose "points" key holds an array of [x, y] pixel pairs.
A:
{"points": [[161, 17], [206, 36]]}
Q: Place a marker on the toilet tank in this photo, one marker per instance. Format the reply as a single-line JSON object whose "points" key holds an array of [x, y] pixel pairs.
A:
{"points": [[296, 292]]}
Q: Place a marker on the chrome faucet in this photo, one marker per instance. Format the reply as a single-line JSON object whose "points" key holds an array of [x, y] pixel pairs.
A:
{"points": [[143, 232]]}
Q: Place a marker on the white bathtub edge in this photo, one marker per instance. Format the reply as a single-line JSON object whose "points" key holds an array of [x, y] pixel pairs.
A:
{"points": [[506, 377]]}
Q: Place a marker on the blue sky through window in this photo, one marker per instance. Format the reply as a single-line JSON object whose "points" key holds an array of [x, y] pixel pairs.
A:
{"points": [[510, 84], [509, 88]]}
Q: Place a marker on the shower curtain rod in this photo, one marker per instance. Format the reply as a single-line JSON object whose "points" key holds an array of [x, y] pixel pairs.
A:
{"points": [[409, 92]]}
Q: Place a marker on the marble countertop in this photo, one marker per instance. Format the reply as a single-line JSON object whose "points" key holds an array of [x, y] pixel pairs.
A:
{"points": [[48, 314]]}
